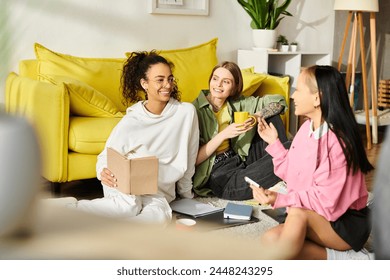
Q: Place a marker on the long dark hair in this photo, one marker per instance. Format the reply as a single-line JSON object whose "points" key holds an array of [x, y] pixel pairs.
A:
{"points": [[337, 112], [135, 69]]}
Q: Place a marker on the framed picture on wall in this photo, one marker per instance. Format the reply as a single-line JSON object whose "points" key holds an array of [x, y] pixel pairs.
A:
{"points": [[179, 7]]}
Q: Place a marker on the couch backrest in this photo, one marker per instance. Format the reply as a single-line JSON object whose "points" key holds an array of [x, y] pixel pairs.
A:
{"points": [[193, 66], [28, 68]]}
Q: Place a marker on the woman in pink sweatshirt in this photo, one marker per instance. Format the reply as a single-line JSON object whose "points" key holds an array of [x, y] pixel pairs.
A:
{"points": [[324, 171]]}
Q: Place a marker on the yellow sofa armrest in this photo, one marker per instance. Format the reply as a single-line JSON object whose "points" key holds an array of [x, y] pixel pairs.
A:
{"points": [[46, 106]]}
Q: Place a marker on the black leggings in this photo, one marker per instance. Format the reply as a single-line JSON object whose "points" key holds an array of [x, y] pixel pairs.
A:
{"points": [[227, 177]]}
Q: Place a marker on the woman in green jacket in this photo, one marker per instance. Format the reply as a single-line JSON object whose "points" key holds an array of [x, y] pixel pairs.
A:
{"points": [[230, 151]]}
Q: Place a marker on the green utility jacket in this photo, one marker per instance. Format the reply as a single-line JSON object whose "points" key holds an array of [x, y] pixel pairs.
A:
{"points": [[208, 126]]}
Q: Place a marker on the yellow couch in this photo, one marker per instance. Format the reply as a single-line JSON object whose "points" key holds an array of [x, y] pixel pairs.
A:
{"points": [[74, 102]]}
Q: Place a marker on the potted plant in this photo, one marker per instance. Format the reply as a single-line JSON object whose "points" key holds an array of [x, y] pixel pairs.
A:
{"points": [[266, 16], [281, 40], [285, 46], [294, 46]]}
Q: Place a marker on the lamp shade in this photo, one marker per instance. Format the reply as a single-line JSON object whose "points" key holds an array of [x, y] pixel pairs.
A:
{"points": [[357, 5]]}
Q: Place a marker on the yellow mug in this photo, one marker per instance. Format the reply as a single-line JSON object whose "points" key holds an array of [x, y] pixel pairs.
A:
{"points": [[241, 117]]}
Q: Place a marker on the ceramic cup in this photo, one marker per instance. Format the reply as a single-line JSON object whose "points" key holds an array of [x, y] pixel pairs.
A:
{"points": [[185, 224], [19, 175], [241, 117]]}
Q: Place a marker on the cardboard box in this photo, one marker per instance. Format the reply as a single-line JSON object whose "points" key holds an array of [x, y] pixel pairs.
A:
{"points": [[135, 176]]}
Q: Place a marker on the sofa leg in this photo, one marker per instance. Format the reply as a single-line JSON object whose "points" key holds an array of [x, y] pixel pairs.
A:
{"points": [[55, 188]]}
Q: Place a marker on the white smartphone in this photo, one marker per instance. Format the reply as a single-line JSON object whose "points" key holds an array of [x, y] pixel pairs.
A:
{"points": [[250, 181]]}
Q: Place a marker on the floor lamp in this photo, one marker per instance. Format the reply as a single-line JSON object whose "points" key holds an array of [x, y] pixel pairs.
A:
{"points": [[356, 9]]}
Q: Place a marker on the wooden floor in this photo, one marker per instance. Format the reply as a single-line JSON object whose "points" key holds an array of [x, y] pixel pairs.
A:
{"points": [[91, 188]]}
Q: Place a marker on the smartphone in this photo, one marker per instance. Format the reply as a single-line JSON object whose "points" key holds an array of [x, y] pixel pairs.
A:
{"points": [[250, 181]]}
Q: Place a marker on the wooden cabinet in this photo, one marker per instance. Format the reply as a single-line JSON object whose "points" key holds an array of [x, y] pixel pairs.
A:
{"points": [[282, 63]]}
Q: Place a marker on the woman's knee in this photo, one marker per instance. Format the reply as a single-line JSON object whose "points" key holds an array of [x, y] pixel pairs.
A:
{"points": [[272, 235]]}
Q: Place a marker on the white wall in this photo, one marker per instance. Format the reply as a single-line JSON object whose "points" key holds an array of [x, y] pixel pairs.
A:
{"points": [[101, 28]]}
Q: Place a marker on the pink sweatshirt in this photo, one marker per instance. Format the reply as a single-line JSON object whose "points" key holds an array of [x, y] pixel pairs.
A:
{"points": [[314, 169]]}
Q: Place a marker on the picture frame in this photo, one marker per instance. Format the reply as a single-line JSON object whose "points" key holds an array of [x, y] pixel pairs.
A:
{"points": [[179, 7]]}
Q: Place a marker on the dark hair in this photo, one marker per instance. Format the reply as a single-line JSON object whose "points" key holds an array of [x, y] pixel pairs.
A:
{"points": [[237, 76], [135, 69], [337, 112]]}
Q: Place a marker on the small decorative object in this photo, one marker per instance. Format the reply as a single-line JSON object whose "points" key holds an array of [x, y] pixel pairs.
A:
{"points": [[294, 46], [282, 43], [266, 16], [280, 40], [285, 46]]}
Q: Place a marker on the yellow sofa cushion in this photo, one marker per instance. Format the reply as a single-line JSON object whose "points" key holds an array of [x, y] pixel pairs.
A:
{"points": [[103, 74], [88, 135], [192, 67], [84, 99], [277, 85], [251, 80]]}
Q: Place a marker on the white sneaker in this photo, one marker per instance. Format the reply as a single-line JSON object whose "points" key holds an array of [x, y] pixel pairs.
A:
{"points": [[363, 254], [69, 202]]}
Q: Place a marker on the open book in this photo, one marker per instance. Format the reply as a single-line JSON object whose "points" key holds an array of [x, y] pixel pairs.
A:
{"points": [[136, 176], [193, 208]]}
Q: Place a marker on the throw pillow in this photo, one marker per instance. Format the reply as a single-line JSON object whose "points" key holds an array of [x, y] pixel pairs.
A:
{"points": [[192, 67], [103, 74], [277, 85], [252, 81], [85, 100]]}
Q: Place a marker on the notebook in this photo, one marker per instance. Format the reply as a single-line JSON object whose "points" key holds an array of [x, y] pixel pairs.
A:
{"points": [[193, 208], [237, 211]]}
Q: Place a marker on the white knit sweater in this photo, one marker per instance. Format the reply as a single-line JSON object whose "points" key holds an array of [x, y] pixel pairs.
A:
{"points": [[173, 137]]}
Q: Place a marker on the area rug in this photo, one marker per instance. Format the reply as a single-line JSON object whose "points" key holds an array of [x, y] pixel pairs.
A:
{"points": [[253, 230]]}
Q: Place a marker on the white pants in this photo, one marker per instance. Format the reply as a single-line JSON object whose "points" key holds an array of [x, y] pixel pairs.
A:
{"points": [[145, 208]]}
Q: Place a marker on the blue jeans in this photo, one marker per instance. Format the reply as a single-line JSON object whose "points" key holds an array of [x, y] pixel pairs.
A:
{"points": [[227, 177]]}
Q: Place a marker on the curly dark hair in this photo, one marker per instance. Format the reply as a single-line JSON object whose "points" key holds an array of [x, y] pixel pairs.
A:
{"points": [[135, 69]]}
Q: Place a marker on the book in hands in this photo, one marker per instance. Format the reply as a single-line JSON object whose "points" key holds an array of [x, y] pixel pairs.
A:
{"points": [[136, 176], [237, 211], [193, 208]]}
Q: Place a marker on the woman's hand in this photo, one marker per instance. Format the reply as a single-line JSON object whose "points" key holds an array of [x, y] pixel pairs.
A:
{"points": [[263, 196], [267, 131], [236, 129], [108, 178], [231, 131]]}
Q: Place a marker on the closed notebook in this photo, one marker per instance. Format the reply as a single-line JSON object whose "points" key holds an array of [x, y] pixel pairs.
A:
{"points": [[237, 211], [137, 176]]}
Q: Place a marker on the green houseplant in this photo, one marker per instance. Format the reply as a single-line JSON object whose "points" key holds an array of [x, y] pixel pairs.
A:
{"points": [[266, 16], [294, 46]]}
